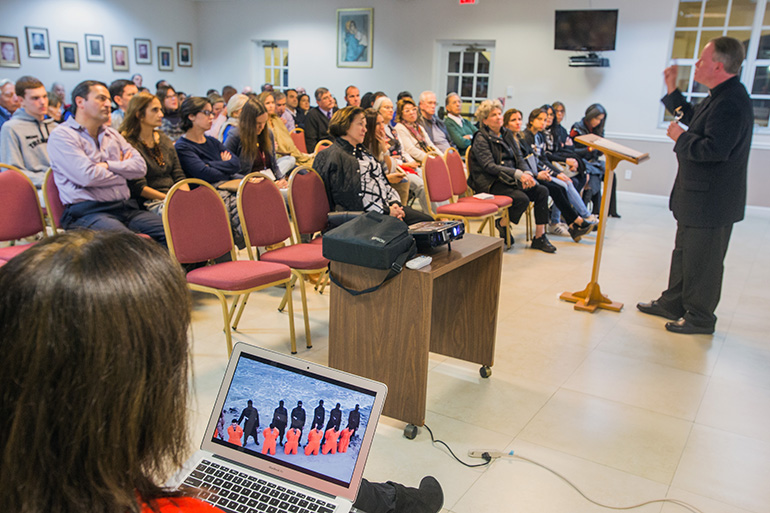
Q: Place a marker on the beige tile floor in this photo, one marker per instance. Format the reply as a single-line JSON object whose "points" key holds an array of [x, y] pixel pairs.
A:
{"points": [[612, 401]]}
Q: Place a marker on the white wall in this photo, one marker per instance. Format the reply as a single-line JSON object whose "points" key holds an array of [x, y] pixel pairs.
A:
{"points": [[164, 22]]}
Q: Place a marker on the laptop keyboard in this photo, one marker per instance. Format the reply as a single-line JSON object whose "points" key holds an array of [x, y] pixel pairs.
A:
{"points": [[233, 491]]}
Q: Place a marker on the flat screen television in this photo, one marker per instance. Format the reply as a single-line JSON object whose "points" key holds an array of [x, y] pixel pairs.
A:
{"points": [[586, 31]]}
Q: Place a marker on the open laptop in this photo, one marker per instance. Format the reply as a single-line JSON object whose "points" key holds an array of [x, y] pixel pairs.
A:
{"points": [[241, 479]]}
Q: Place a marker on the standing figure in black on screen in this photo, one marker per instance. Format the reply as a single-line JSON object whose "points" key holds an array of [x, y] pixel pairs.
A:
{"points": [[252, 423], [280, 419], [319, 414], [298, 418], [354, 420], [335, 418]]}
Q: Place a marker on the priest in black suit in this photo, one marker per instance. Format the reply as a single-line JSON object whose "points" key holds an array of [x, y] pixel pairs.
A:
{"points": [[317, 119], [709, 193]]}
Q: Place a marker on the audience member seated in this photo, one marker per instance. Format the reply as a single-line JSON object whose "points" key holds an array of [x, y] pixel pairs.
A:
{"points": [[234, 106], [160, 83], [532, 142], [289, 115], [284, 144], [220, 113], [559, 147], [286, 162], [206, 158], [528, 162], [593, 123], [493, 168], [91, 166], [384, 106], [172, 121], [121, 91], [317, 119], [124, 434], [54, 107], [143, 117], [253, 143], [24, 138], [61, 93], [303, 106], [433, 126], [354, 179], [460, 129], [415, 140], [378, 144], [181, 96], [9, 101], [137, 79], [227, 92], [352, 96]]}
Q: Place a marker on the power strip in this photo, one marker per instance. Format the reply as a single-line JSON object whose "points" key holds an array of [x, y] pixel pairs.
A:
{"points": [[479, 453]]}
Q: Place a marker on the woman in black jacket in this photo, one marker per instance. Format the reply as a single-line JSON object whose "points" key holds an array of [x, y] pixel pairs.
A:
{"points": [[493, 169], [354, 179]]}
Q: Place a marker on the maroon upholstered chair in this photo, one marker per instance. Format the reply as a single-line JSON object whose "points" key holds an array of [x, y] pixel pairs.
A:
{"points": [[53, 204], [454, 164], [20, 213], [265, 222], [298, 136], [197, 227], [438, 188]]}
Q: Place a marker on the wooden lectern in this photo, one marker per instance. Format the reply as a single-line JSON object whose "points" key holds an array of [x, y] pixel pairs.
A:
{"points": [[591, 298]]}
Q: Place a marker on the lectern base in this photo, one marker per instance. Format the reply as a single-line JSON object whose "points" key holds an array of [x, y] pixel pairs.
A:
{"points": [[591, 298]]}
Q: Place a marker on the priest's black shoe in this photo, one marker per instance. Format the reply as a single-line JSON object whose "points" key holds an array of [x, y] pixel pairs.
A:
{"points": [[655, 308], [687, 328]]}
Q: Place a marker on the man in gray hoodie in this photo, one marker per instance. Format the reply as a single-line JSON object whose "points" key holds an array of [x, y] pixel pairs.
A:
{"points": [[24, 138]]}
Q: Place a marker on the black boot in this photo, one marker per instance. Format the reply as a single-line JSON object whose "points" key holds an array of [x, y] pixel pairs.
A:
{"points": [[428, 498]]}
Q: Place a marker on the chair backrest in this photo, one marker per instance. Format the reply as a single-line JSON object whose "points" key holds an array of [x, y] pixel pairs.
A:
{"points": [[53, 202], [436, 178], [307, 201], [468, 165], [197, 223], [321, 146], [454, 164], [264, 219], [20, 212], [298, 136]]}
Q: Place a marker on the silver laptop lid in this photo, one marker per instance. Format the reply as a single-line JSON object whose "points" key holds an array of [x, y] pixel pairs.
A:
{"points": [[265, 378]]}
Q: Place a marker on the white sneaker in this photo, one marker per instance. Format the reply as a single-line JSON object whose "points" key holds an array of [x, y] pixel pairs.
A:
{"points": [[560, 229], [593, 219]]}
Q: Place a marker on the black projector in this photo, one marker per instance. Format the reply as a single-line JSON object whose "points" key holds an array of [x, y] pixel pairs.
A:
{"points": [[431, 234]]}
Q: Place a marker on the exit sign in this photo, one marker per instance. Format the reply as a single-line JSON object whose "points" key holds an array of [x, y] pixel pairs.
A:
{"points": [[467, 2]]}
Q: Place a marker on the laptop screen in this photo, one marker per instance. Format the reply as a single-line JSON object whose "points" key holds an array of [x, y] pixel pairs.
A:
{"points": [[296, 418]]}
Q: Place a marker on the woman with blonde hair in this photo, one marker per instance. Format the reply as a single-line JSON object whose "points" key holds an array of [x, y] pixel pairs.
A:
{"points": [[234, 106], [286, 152], [143, 117]]}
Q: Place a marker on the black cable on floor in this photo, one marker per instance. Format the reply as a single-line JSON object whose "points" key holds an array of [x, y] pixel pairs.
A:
{"points": [[487, 458]]}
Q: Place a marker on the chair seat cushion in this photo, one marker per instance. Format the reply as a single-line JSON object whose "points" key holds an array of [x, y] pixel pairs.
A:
{"points": [[500, 201], [317, 240], [238, 275], [468, 208], [9, 252], [297, 256]]}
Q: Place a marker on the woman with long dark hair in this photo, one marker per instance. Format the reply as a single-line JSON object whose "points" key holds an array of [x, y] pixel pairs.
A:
{"points": [[593, 123], [143, 117], [172, 121]]}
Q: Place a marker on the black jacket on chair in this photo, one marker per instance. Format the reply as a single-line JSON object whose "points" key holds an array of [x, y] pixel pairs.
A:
{"points": [[713, 155]]}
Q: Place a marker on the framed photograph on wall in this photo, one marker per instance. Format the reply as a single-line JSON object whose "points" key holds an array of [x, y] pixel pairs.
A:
{"points": [[354, 38], [143, 51], [69, 59], [184, 54], [37, 43], [119, 58], [165, 58], [9, 52], [94, 48]]}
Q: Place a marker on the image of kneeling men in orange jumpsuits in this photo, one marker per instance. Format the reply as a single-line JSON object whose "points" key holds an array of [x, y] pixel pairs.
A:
{"points": [[331, 441], [292, 441], [270, 435], [345, 435], [235, 433], [313, 442]]}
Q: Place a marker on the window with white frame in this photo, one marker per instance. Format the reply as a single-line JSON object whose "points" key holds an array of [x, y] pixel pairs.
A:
{"points": [[276, 54], [748, 21], [466, 69]]}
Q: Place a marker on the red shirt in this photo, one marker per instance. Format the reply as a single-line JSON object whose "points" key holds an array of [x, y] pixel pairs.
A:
{"points": [[181, 504]]}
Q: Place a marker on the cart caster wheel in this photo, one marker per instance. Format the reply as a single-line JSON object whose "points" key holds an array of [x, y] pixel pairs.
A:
{"points": [[485, 371], [410, 431]]}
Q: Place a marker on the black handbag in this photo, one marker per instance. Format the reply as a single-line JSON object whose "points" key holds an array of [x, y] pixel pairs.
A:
{"points": [[370, 240]]}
